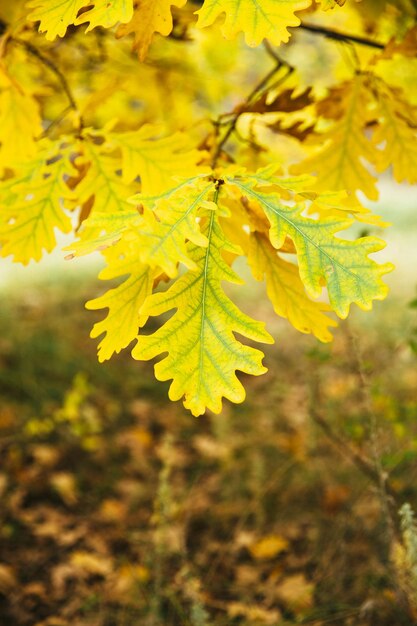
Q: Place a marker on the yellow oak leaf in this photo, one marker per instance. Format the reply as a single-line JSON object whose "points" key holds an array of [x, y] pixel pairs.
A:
{"points": [[203, 353], [103, 231], [258, 19], [339, 152], [32, 206], [102, 180], [158, 161], [339, 203], [343, 266], [106, 13], [396, 135], [123, 321], [286, 290], [150, 17], [56, 15], [20, 123]]}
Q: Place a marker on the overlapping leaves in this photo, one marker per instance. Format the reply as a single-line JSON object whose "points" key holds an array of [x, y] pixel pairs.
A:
{"points": [[203, 353], [158, 216], [32, 204], [55, 16], [257, 19], [188, 225], [343, 266], [191, 225]]}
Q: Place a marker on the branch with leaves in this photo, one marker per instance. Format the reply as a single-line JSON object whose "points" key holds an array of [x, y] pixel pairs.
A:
{"points": [[166, 196]]}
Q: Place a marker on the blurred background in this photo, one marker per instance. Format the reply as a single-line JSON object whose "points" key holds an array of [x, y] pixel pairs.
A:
{"points": [[119, 508]]}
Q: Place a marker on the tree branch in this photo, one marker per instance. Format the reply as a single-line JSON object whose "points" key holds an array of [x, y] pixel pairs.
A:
{"points": [[338, 36]]}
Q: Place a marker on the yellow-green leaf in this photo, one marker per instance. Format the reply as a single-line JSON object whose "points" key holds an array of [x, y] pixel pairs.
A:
{"points": [[203, 353], [258, 19], [122, 323], [169, 222], [286, 291], [103, 231], [32, 208], [343, 266]]}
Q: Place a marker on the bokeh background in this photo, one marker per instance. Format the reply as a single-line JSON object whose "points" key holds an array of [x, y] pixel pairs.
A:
{"points": [[118, 507]]}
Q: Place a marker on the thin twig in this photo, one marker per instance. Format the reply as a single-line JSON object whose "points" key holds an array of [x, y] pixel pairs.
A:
{"points": [[387, 496], [55, 122], [55, 69], [255, 91], [365, 465], [338, 36], [344, 447]]}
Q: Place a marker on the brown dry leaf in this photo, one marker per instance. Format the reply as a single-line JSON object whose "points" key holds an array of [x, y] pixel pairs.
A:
{"points": [[113, 510], [3, 484], [170, 538], [406, 47], [247, 575], [7, 417], [127, 578], [296, 592], [70, 536], [298, 130], [210, 448], [136, 439], [244, 539], [89, 563], [45, 455], [8, 578], [36, 589], [332, 106], [141, 408], [44, 521], [60, 574], [283, 102], [293, 443], [253, 612], [335, 496], [65, 485], [268, 547], [53, 620]]}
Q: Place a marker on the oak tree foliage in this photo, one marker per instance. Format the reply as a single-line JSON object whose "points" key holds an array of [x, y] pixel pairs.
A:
{"points": [[131, 123]]}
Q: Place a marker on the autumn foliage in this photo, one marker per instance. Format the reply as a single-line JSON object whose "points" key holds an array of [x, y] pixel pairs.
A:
{"points": [[235, 128]]}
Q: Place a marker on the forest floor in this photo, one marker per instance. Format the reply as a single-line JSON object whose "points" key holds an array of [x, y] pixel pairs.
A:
{"points": [[118, 508]]}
